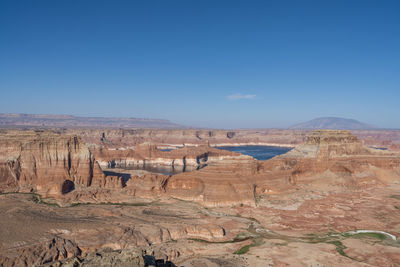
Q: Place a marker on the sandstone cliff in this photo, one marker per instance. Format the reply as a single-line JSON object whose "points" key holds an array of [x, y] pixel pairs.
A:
{"points": [[329, 159], [53, 164], [195, 157], [45, 162], [125, 138], [301, 203]]}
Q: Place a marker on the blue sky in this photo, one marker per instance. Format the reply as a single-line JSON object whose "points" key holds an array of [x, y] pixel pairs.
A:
{"points": [[222, 64]]}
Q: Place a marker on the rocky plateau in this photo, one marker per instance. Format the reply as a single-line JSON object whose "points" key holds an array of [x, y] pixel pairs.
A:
{"points": [[333, 200]]}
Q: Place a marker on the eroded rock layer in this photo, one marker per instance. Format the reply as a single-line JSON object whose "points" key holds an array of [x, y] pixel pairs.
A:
{"points": [[242, 181], [236, 211], [125, 138], [149, 154], [53, 164], [45, 162]]}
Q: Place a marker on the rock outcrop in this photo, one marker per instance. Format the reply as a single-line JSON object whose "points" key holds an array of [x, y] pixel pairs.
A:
{"points": [[330, 144], [124, 138], [45, 162], [193, 157], [56, 249], [326, 153], [129, 138], [108, 258], [329, 159], [305, 201], [53, 165], [217, 185]]}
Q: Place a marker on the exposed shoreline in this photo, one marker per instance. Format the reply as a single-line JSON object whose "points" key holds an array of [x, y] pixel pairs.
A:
{"points": [[176, 146]]}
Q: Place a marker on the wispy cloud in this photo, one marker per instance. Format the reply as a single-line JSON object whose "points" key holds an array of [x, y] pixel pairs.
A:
{"points": [[240, 96]]}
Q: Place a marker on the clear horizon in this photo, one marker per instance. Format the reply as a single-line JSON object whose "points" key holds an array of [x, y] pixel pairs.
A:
{"points": [[225, 64]]}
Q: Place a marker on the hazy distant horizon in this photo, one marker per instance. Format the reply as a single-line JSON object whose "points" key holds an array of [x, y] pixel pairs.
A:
{"points": [[56, 120], [287, 126], [209, 64]]}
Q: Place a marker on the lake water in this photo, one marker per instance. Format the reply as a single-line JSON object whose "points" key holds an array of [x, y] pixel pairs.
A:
{"points": [[258, 152]]}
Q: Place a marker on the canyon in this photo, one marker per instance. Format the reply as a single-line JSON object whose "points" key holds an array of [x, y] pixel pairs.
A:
{"points": [[71, 197], [125, 138]]}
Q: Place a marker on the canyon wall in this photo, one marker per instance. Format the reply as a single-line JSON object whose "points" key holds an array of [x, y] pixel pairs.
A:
{"points": [[45, 162], [328, 159], [144, 154], [125, 138], [55, 164]]}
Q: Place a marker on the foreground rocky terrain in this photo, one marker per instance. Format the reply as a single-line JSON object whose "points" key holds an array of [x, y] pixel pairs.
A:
{"points": [[329, 201]]}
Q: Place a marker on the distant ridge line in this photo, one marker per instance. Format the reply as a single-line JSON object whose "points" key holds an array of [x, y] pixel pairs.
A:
{"points": [[61, 120]]}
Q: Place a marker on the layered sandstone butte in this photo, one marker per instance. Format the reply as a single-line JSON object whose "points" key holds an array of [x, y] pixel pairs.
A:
{"points": [[189, 185], [45, 162], [128, 138], [179, 159], [329, 159], [330, 144]]}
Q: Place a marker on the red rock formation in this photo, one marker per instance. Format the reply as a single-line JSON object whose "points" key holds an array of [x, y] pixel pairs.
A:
{"points": [[147, 186], [53, 164], [125, 138], [193, 156], [45, 162], [325, 154], [328, 158], [113, 138], [39, 254], [331, 182]]}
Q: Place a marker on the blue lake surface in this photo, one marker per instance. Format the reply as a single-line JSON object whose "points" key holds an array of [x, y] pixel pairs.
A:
{"points": [[258, 152]]}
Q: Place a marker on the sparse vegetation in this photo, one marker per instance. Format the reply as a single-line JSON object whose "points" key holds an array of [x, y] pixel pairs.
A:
{"points": [[254, 233], [258, 199], [243, 250], [378, 236], [281, 244], [239, 238], [339, 247], [139, 204], [257, 241], [37, 198]]}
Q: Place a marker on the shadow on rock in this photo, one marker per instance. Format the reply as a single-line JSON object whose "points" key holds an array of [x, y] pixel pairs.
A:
{"points": [[151, 261]]}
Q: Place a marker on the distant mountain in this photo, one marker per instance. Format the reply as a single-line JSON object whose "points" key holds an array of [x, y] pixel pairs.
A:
{"points": [[333, 123], [45, 120]]}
